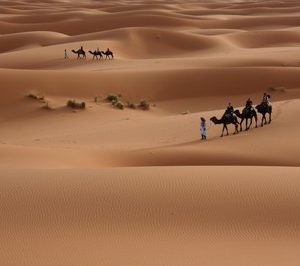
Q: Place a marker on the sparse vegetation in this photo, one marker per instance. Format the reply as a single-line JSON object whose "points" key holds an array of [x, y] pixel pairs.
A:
{"points": [[112, 98], [131, 105], [119, 105], [115, 101], [75, 104], [35, 96], [145, 105]]}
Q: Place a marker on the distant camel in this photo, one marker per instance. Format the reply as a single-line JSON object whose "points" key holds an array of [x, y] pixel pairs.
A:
{"points": [[95, 54], [264, 109], [226, 120], [80, 52], [245, 115], [108, 54]]}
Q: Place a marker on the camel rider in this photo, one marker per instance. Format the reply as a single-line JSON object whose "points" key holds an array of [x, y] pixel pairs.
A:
{"points": [[265, 99], [248, 106], [81, 48], [229, 110], [98, 50]]}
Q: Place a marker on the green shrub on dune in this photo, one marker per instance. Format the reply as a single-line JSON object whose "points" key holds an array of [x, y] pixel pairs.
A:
{"points": [[131, 105], [75, 104], [112, 98], [35, 96], [119, 105], [145, 105]]}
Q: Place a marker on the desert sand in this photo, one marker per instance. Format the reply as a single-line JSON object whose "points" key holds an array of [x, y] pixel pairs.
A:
{"points": [[103, 186]]}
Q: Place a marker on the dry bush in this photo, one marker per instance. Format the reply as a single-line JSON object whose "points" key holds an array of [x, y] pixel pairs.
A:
{"points": [[76, 105], [145, 105], [35, 96], [119, 105], [131, 105], [112, 98]]}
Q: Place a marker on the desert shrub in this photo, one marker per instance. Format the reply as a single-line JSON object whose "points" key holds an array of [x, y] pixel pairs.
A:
{"points": [[119, 105], [131, 105], [35, 96], [75, 104], [144, 105], [112, 98]]}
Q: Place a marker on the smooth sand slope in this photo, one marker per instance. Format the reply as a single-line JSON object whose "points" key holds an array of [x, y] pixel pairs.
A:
{"points": [[103, 186]]}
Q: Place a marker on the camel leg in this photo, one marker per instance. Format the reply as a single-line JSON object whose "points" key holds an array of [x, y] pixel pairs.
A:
{"points": [[237, 128], [234, 129], [262, 121], [255, 117], [265, 117], [241, 128], [250, 123], [227, 130], [223, 131], [270, 118], [247, 124]]}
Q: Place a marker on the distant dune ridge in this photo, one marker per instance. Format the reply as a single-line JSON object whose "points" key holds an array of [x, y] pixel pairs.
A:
{"points": [[103, 186]]}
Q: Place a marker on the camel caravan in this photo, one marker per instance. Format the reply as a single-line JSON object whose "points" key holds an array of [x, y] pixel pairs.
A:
{"points": [[231, 116], [97, 54]]}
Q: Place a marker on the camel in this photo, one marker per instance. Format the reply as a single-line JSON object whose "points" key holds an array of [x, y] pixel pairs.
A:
{"points": [[80, 52], [264, 109], [108, 54], [226, 120], [96, 54], [245, 115]]}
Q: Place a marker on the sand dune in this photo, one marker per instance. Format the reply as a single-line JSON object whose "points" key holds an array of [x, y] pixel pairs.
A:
{"points": [[266, 38], [145, 140], [12, 42], [104, 186], [123, 216]]}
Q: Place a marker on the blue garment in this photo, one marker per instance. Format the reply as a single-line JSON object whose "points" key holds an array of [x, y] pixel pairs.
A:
{"points": [[203, 129]]}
